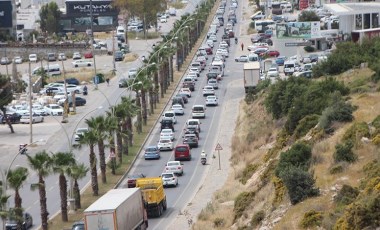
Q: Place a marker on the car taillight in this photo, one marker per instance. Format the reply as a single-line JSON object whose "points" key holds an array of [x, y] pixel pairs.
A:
{"points": [[179, 167]]}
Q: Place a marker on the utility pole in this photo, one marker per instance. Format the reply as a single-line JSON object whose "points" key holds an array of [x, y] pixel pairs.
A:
{"points": [[30, 106], [92, 45], [113, 52]]}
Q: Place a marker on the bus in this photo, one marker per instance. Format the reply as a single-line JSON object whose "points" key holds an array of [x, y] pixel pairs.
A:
{"points": [[262, 25]]}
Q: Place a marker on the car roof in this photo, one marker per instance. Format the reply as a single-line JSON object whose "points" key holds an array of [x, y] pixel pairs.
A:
{"points": [[166, 130]]}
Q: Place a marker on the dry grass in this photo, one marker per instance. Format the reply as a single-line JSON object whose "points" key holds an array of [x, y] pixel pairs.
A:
{"points": [[130, 57]]}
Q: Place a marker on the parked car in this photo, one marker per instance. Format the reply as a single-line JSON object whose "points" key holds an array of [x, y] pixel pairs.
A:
{"points": [[152, 152], [25, 119], [79, 132], [33, 58], [118, 56], [242, 58], [51, 57], [132, 72], [76, 56], [88, 55], [79, 225], [81, 63], [53, 110], [78, 102], [273, 53], [5, 61], [17, 60], [280, 60], [13, 118], [169, 179], [62, 57]]}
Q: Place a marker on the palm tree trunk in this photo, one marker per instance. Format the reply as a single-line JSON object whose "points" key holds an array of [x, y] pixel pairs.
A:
{"points": [[76, 192], [119, 142], [18, 208], [144, 106], [94, 174], [139, 117], [130, 132], [162, 82], [125, 138], [44, 212], [63, 193], [151, 99], [102, 161]]}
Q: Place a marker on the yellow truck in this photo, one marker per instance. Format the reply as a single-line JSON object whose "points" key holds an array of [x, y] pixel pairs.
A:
{"points": [[153, 195]]}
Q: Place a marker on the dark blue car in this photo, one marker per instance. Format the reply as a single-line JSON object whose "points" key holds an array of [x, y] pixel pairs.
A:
{"points": [[280, 60], [152, 152]]}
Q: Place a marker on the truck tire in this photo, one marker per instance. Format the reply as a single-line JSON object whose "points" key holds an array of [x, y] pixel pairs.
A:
{"points": [[165, 206]]}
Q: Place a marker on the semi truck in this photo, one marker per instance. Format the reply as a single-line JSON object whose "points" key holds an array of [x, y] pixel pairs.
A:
{"points": [[153, 194], [118, 209], [251, 75]]}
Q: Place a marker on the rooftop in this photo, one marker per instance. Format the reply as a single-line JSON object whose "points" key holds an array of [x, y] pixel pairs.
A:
{"points": [[353, 8]]}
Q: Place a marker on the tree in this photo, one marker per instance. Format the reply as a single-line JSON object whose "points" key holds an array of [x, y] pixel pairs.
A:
{"points": [[62, 162], [49, 18], [308, 16], [98, 126], [77, 172], [16, 179], [126, 111], [6, 97], [42, 164], [89, 138]]}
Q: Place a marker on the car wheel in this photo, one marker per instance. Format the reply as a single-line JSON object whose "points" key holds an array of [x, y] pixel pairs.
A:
{"points": [[88, 64], [76, 66]]}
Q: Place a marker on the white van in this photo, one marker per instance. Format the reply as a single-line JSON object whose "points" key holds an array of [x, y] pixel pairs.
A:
{"points": [[289, 67], [120, 30], [198, 111]]}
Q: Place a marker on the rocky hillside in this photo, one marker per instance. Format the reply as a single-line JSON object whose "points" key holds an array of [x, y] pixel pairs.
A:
{"points": [[305, 156]]}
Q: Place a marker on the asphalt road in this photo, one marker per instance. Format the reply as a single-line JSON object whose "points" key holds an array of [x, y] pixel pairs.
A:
{"points": [[189, 183]]}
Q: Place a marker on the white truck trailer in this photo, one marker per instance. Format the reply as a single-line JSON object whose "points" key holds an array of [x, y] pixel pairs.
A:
{"points": [[251, 75], [118, 209]]}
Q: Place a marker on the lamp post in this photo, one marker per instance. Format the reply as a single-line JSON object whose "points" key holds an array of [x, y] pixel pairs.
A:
{"points": [[92, 44]]}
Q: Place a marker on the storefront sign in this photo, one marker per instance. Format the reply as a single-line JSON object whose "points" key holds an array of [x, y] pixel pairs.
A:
{"points": [[5, 14]]}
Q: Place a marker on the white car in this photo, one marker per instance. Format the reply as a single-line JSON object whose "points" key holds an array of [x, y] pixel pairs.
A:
{"points": [[53, 109], [170, 115], [223, 52], [223, 45], [273, 72], [211, 100], [62, 57], [186, 91], [79, 132], [169, 179], [174, 167], [60, 95], [242, 58], [17, 60], [38, 109], [210, 43], [132, 72], [167, 134], [217, 62], [163, 19], [178, 109], [208, 90], [189, 80], [76, 55], [165, 144], [81, 63], [213, 38], [213, 82], [33, 58], [73, 88], [25, 119], [193, 75]]}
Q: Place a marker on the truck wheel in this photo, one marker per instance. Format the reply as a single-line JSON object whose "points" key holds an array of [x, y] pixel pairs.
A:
{"points": [[165, 206]]}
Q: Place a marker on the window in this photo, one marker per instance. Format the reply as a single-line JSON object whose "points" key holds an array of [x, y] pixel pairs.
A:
{"points": [[358, 22], [375, 20], [367, 21]]}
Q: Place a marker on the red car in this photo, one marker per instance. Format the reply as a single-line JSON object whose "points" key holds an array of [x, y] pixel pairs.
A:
{"points": [[131, 181], [208, 50], [88, 55], [273, 53]]}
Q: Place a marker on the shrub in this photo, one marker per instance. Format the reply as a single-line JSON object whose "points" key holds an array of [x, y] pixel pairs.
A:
{"points": [[279, 190], [311, 218], [267, 174], [242, 201], [376, 122], [376, 140], [257, 218], [219, 222], [356, 132], [346, 195], [343, 152], [299, 156], [252, 25], [335, 169], [371, 170], [300, 184], [309, 49], [248, 171], [305, 124]]}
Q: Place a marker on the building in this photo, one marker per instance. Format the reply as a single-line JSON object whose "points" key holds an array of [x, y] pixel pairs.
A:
{"points": [[78, 16], [8, 17], [27, 22], [357, 20]]}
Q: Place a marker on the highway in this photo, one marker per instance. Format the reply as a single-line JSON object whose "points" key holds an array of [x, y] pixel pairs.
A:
{"points": [[194, 171]]}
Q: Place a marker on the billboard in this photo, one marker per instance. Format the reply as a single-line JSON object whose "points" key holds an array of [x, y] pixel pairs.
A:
{"points": [[301, 30], [98, 7], [6, 11]]}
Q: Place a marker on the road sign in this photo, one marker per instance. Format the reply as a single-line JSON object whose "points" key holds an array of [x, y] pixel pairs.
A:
{"points": [[292, 44], [218, 147]]}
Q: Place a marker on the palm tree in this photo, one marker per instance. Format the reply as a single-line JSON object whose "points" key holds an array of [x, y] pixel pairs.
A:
{"points": [[98, 126], [41, 163], [61, 164], [89, 138], [77, 172], [16, 178], [111, 123]]}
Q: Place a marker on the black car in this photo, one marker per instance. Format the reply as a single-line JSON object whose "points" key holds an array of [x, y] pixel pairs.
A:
{"points": [[78, 102], [268, 41], [313, 57], [183, 96], [167, 124], [119, 56], [11, 224], [79, 225], [13, 118]]}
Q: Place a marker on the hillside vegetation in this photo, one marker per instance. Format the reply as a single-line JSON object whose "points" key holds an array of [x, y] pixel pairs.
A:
{"points": [[306, 152]]}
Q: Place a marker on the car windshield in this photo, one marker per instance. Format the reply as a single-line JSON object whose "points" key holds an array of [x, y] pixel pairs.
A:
{"points": [[54, 107], [169, 115], [151, 149], [177, 107], [167, 175], [173, 163], [166, 131], [181, 149], [165, 141], [198, 108], [193, 123]]}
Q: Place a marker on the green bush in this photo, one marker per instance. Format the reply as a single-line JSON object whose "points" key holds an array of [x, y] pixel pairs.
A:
{"points": [[252, 25], [343, 152], [346, 195], [309, 49], [376, 122], [219, 222], [311, 219], [298, 156], [248, 171], [356, 132], [305, 124], [257, 218], [242, 201], [335, 169], [300, 184]]}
